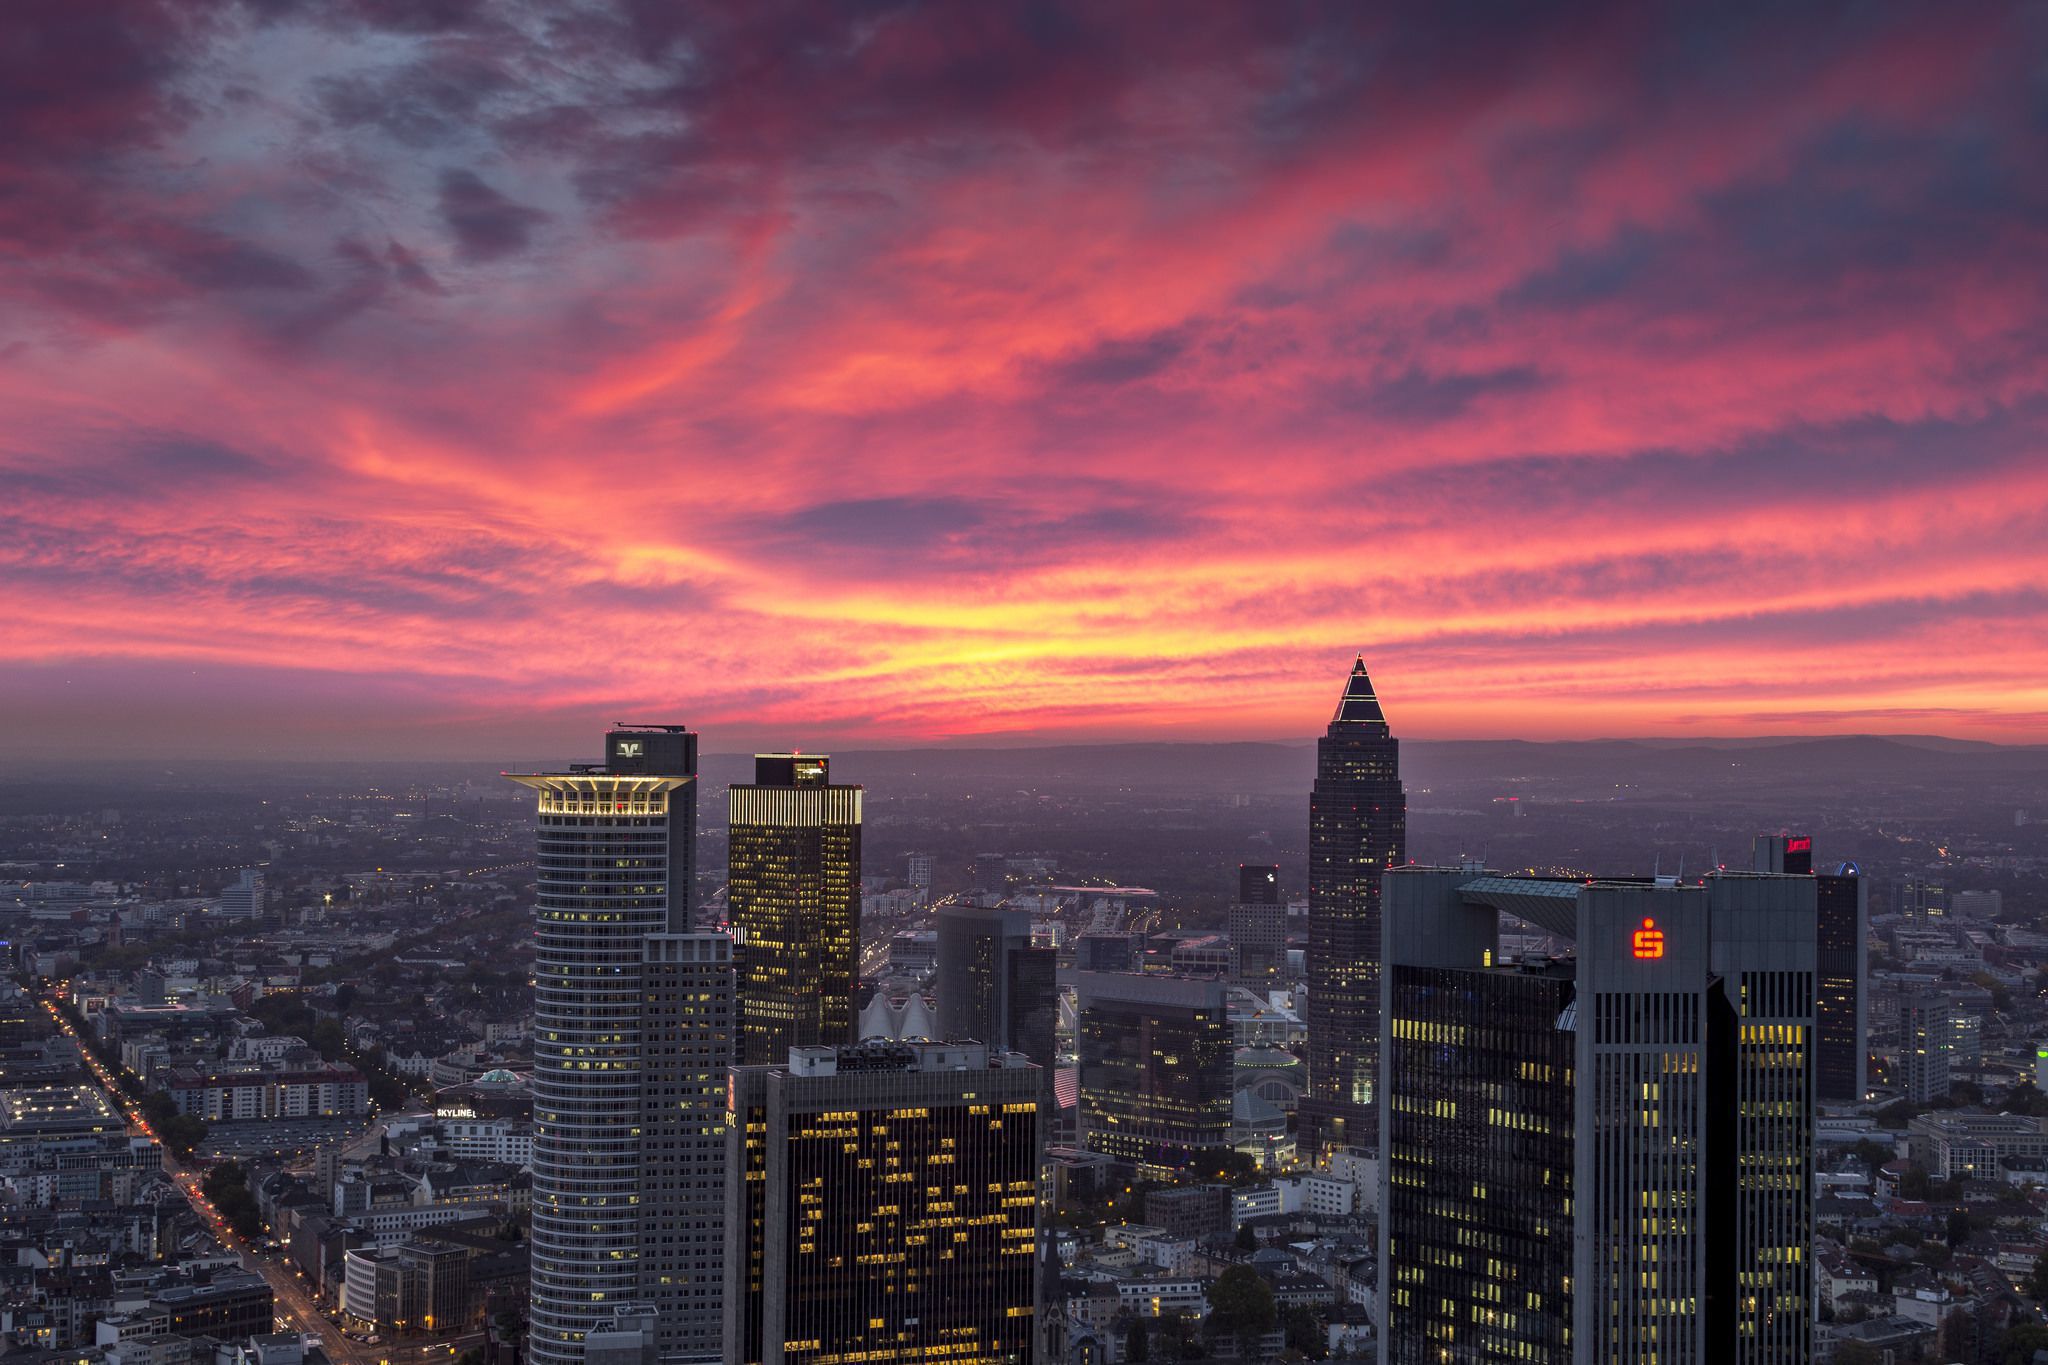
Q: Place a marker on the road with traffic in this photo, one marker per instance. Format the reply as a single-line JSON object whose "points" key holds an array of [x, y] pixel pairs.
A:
{"points": [[295, 1308]]}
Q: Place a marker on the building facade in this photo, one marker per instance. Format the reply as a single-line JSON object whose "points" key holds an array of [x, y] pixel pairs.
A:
{"points": [[617, 978], [1841, 964], [793, 894], [1604, 1158], [1841, 1055], [886, 1207], [1358, 828], [1157, 1068], [1258, 926], [995, 988]]}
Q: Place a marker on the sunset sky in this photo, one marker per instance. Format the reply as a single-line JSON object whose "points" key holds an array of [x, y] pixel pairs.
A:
{"points": [[424, 376]]}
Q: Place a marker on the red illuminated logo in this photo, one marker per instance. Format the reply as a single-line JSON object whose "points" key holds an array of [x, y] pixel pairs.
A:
{"points": [[1802, 844], [1649, 940]]}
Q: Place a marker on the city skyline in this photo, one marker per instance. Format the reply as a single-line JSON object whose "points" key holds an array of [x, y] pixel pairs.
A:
{"points": [[375, 374]]}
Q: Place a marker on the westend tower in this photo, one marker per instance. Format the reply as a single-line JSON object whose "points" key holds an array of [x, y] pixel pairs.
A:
{"points": [[627, 1005], [794, 902], [1357, 829]]}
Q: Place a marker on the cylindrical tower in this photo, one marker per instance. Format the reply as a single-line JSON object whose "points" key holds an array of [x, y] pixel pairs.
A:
{"points": [[608, 844]]}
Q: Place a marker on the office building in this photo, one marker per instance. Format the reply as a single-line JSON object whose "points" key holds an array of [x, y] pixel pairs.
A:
{"points": [[1258, 926], [888, 1210], [1841, 1049], [1358, 828], [246, 897], [1927, 1046], [919, 876], [1108, 952], [1157, 1075], [793, 896], [1976, 904], [1920, 899], [632, 1033], [995, 988], [1606, 1158]]}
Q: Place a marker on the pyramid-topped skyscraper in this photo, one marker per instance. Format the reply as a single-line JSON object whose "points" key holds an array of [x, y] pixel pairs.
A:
{"points": [[1358, 828]]}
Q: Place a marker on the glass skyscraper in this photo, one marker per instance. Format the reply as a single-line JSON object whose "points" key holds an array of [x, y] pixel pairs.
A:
{"points": [[632, 1036], [793, 897], [1607, 1157], [1358, 828]]}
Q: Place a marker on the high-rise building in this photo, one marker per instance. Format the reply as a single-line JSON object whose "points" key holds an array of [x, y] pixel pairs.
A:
{"points": [[995, 988], [1920, 899], [1156, 1055], [920, 875], [246, 898], [1927, 1034], [884, 1207], [632, 1034], [1358, 828], [1841, 1048], [1258, 926], [1603, 1158], [793, 897]]}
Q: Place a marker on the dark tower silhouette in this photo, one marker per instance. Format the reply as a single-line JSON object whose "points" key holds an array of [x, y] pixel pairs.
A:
{"points": [[1357, 829]]}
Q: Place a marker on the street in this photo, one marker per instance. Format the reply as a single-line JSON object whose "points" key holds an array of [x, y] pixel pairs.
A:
{"points": [[295, 1308]]}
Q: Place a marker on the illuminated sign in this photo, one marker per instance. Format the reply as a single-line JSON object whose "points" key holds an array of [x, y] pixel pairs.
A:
{"points": [[632, 748], [1800, 844], [1649, 940]]}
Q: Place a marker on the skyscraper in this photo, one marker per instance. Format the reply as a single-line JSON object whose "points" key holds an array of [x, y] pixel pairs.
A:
{"points": [[1258, 926], [793, 897], [632, 1032], [886, 1207], [1927, 1033], [1357, 829], [995, 988], [1603, 1158], [1841, 1048]]}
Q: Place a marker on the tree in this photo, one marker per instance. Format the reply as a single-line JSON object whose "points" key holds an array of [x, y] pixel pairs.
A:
{"points": [[1304, 1333], [1959, 1335], [1138, 1342], [1241, 1305], [2037, 1279], [227, 1187], [1857, 1353], [2019, 1343], [1247, 1240], [1958, 1227]]}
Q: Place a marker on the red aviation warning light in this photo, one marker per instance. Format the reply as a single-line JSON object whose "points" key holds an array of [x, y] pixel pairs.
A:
{"points": [[1649, 940]]}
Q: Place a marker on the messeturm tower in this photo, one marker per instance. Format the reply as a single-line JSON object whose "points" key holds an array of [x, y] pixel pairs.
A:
{"points": [[1357, 829]]}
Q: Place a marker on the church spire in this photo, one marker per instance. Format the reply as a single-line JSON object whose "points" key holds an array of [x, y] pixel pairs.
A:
{"points": [[1359, 706]]}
